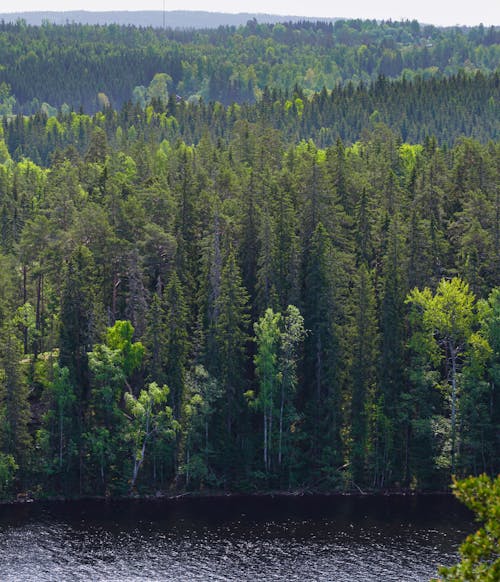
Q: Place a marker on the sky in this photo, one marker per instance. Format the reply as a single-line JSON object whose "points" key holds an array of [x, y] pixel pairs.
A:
{"points": [[439, 12]]}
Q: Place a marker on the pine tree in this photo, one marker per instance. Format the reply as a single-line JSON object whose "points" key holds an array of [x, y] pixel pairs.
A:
{"points": [[364, 372], [392, 364], [78, 319], [176, 347], [322, 385], [231, 337]]}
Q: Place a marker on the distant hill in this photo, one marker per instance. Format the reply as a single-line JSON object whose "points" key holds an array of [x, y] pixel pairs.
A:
{"points": [[154, 18]]}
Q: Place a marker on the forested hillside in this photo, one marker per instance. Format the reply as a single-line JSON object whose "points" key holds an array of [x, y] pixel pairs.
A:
{"points": [[84, 65], [297, 293], [446, 109]]}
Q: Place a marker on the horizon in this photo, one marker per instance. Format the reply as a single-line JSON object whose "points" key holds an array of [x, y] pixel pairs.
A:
{"points": [[426, 12]]}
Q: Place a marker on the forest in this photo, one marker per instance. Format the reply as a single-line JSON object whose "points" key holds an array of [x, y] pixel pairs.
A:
{"points": [[292, 289], [78, 65]]}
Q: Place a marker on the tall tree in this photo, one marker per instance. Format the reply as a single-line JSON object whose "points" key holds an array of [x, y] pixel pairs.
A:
{"points": [[291, 337], [323, 396], [364, 369], [78, 318], [267, 336], [231, 336], [176, 345], [448, 318]]}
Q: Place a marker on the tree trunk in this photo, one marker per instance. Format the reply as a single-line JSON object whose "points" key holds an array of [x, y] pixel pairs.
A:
{"points": [[265, 437], [60, 437], [25, 298], [139, 460], [453, 355], [37, 314], [282, 406]]}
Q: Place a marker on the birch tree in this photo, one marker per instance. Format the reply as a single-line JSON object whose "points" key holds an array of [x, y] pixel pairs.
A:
{"points": [[447, 319], [267, 336], [149, 416]]}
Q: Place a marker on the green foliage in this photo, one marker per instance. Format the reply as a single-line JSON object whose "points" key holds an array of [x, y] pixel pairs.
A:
{"points": [[203, 401], [119, 338], [448, 321], [267, 336], [225, 64], [149, 416], [449, 313], [8, 468], [158, 88], [77, 316], [7, 103], [15, 412], [168, 242], [57, 437], [480, 552]]}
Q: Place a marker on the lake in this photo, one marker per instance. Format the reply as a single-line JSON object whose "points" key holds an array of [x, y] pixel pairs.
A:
{"points": [[341, 538]]}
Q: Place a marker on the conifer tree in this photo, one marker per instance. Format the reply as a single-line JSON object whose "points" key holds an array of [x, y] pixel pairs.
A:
{"points": [[78, 319], [392, 331], [323, 391], [231, 337], [364, 373], [176, 345]]}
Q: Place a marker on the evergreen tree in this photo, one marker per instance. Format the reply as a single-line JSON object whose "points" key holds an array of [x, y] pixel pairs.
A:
{"points": [[176, 345], [322, 385], [392, 363], [231, 336], [78, 319], [364, 372]]}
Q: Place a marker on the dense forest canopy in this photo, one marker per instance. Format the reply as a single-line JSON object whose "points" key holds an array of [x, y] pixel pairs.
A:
{"points": [[446, 109], [297, 291], [72, 64]]}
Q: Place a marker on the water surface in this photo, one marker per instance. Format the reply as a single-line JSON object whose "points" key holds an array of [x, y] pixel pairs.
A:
{"points": [[338, 538]]}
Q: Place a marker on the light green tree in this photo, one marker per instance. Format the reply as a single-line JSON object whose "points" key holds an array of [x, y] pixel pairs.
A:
{"points": [[149, 416], [446, 320], [267, 336], [119, 338], [480, 552], [291, 337], [203, 394], [278, 338], [158, 88]]}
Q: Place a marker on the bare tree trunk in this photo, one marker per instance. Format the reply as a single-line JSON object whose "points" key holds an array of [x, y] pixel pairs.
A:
{"points": [[282, 406], [37, 314], [137, 464], [25, 298], [265, 437], [453, 355], [139, 460], [206, 442], [116, 283], [270, 433], [60, 436]]}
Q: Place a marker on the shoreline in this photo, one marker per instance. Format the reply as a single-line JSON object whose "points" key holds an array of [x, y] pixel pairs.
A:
{"points": [[226, 495]]}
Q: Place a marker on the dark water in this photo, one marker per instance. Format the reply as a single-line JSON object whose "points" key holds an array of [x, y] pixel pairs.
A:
{"points": [[313, 538]]}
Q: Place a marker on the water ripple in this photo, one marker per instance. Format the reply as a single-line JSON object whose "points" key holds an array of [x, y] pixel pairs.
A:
{"points": [[181, 548]]}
